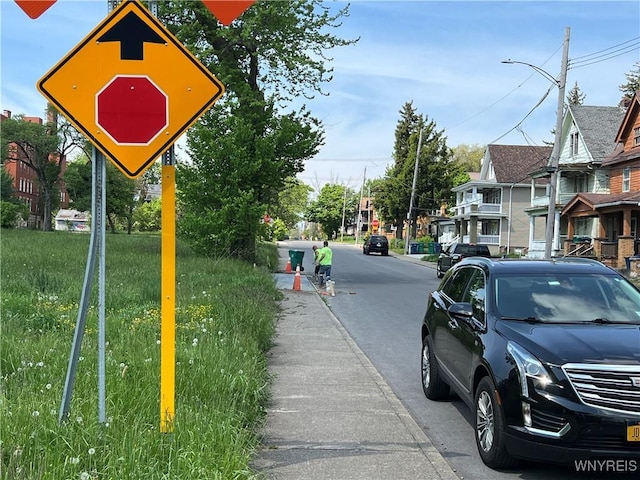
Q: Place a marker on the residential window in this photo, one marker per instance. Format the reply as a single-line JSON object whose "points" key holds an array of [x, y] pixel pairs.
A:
{"points": [[580, 183], [574, 143], [626, 179], [490, 227], [491, 196], [636, 136], [582, 227]]}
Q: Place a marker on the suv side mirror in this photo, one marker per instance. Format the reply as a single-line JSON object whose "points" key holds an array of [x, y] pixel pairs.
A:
{"points": [[462, 310]]}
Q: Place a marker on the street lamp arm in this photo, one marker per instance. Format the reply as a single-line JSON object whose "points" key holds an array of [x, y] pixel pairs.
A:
{"points": [[542, 72]]}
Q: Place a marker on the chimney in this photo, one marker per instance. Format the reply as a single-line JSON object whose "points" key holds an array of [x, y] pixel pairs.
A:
{"points": [[7, 113]]}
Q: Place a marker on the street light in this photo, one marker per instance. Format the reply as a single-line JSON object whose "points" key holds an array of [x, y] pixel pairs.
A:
{"points": [[552, 168]]}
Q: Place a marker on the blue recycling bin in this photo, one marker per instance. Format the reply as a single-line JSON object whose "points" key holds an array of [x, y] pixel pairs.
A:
{"points": [[413, 248]]}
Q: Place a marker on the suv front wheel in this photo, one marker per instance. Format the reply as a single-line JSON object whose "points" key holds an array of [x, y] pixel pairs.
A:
{"points": [[490, 436], [439, 270]]}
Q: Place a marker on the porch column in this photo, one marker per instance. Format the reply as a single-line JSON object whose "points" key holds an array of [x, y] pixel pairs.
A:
{"points": [[532, 230], [626, 222], [603, 233], [570, 227], [473, 230], [556, 231]]}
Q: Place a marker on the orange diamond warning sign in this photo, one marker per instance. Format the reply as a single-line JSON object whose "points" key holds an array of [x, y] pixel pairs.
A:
{"points": [[131, 87]]}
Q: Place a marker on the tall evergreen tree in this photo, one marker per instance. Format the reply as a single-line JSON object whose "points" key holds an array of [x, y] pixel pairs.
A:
{"points": [[632, 85], [575, 96], [438, 171]]}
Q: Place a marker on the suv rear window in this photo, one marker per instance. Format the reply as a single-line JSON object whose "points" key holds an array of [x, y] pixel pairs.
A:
{"points": [[377, 238], [470, 250]]}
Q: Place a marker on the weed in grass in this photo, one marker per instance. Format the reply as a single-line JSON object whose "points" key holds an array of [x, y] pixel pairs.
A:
{"points": [[225, 321]]}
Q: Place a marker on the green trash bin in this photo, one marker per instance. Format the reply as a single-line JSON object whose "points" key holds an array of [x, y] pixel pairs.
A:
{"points": [[431, 248], [420, 247], [296, 257]]}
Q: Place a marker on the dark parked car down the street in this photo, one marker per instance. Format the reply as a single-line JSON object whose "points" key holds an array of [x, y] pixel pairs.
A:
{"points": [[376, 243], [546, 353], [456, 252]]}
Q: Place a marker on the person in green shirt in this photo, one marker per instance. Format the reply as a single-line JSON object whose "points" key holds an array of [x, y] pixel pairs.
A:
{"points": [[325, 257]]}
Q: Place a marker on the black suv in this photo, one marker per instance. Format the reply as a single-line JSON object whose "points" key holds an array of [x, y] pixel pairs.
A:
{"points": [[376, 243], [546, 353], [456, 252]]}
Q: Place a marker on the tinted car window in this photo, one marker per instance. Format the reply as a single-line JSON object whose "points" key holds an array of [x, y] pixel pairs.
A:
{"points": [[475, 294], [568, 298], [456, 286]]}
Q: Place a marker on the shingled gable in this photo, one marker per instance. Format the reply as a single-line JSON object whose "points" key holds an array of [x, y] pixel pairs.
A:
{"points": [[625, 151], [515, 163], [597, 126]]}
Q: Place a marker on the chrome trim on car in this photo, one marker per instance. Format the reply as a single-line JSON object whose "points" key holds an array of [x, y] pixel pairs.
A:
{"points": [[546, 433], [610, 387]]}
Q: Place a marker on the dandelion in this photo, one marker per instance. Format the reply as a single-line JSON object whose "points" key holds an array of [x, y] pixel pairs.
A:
{"points": [[53, 411], [91, 451], [84, 476], [48, 386], [74, 460], [122, 365], [35, 413], [79, 420], [40, 364], [157, 342]]}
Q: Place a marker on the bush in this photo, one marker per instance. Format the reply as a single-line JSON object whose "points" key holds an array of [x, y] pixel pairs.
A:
{"points": [[10, 214]]}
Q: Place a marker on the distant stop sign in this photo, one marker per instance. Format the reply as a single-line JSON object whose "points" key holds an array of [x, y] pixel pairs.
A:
{"points": [[132, 110]]}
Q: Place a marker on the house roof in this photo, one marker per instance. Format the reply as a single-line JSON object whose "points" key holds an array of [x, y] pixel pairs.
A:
{"points": [[600, 200], [598, 127], [515, 163]]}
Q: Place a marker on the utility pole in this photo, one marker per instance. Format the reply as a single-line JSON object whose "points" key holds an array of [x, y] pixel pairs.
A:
{"points": [[554, 160], [364, 178], [550, 234], [413, 193]]}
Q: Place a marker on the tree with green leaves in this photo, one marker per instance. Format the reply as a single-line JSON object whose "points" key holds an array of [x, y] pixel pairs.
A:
{"points": [[331, 207], [469, 157], [36, 145], [120, 191], [292, 202], [255, 137]]}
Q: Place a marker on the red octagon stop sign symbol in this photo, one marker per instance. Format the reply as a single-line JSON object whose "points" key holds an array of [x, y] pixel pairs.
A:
{"points": [[132, 109]]}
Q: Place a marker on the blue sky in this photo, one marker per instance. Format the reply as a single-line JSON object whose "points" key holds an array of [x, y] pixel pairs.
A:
{"points": [[444, 56]]}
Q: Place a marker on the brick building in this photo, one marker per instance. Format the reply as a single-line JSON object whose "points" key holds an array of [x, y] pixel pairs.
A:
{"points": [[25, 181]]}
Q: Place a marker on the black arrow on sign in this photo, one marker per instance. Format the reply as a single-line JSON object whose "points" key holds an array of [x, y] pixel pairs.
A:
{"points": [[132, 33]]}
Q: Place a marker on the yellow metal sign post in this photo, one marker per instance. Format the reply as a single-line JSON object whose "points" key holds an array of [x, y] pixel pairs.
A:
{"points": [[132, 88]]}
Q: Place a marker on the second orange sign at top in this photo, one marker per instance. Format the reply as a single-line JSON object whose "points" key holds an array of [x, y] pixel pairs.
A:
{"points": [[131, 87]]}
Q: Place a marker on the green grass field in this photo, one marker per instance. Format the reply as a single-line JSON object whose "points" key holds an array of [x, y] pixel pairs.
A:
{"points": [[225, 322]]}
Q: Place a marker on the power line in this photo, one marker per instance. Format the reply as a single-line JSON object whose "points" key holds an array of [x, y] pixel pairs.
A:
{"points": [[594, 54]]}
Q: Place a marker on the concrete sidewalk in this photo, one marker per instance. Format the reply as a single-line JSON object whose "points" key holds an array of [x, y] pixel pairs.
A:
{"points": [[332, 416]]}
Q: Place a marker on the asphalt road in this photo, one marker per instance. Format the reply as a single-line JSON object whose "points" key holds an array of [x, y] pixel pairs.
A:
{"points": [[381, 302]]}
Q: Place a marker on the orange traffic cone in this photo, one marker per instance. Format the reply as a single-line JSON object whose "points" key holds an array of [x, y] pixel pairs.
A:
{"points": [[288, 267], [296, 279]]}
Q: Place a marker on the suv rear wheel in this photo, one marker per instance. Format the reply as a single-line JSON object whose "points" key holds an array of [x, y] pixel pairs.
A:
{"points": [[433, 386], [439, 270]]}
